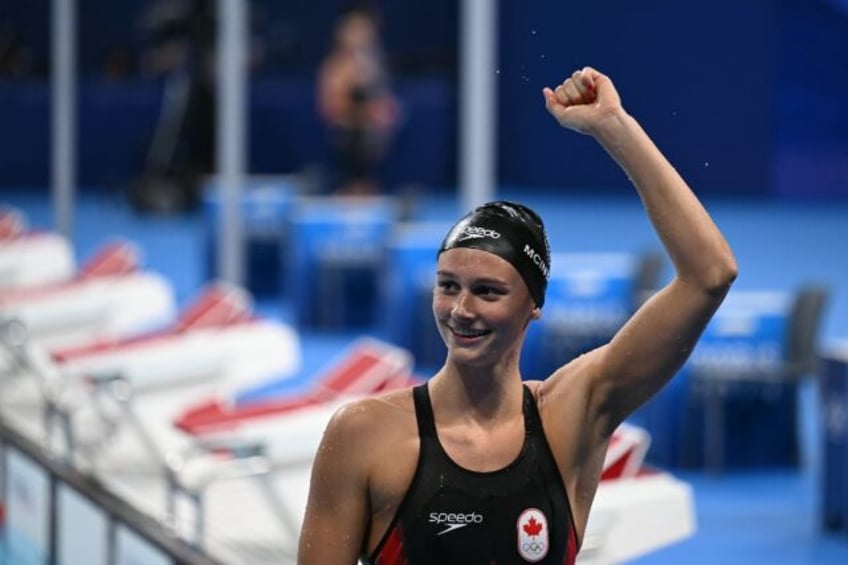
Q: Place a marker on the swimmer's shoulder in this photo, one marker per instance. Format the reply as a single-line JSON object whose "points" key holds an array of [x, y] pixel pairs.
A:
{"points": [[376, 417]]}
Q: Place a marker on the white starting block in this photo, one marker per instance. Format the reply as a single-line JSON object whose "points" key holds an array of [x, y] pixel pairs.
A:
{"points": [[216, 336], [109, 297], [366, 367], [216, 345], [631, 517], [636, 510], [29, 257]]}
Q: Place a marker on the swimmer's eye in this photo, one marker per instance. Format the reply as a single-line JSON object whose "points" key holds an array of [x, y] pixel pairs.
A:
{"points": [[489, 291], [447, 286]]}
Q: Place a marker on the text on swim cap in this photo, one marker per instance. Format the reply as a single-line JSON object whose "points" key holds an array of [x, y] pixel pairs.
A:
{"points": [[537, 259], [473, 232]]}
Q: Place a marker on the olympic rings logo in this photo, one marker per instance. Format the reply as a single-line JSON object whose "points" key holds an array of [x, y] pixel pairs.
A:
{"points": [[534, 547]]}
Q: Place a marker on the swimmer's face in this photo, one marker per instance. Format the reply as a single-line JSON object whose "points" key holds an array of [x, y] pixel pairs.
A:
{"points": [[481, 306]]}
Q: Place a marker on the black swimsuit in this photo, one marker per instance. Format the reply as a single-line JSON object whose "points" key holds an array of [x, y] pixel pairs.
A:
{"points": [[518, 514]]}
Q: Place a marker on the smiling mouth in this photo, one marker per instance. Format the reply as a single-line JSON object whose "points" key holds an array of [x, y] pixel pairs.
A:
{"points": [[469, 333]]}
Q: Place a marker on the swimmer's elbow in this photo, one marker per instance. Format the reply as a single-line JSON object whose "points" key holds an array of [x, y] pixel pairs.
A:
{"points": [[721, 275], [714, 276]]}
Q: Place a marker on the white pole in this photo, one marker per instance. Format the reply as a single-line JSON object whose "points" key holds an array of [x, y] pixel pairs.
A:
{"points": [[231, 138], [63, 116], [478, 130]]}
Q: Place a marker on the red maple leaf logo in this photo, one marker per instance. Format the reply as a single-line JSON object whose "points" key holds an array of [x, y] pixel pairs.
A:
{"points": [[532, 527]]}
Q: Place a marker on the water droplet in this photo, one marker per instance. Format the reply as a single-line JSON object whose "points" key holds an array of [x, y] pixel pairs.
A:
{"points": [[674, 113], [533, 31], [543, 55], [706, 163], [497, 71]]}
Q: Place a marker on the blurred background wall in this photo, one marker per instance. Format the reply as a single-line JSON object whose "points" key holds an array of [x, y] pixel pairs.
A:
{"points": [[776, 69]]}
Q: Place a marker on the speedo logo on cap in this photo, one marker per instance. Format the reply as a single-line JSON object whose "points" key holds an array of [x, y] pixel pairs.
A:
{"points": [[454, 520], [474, 232], [537, 259]]}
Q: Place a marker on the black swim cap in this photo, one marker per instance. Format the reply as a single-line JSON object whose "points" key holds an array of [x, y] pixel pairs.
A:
{"points": [[511, 231]]}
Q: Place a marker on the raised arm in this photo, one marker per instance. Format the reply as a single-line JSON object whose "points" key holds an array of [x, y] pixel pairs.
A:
{"points": [[656, 341]]}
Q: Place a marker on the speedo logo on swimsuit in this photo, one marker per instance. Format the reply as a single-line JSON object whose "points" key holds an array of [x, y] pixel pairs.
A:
{"points": [[454, 520], [537, 259], [474, 232]]}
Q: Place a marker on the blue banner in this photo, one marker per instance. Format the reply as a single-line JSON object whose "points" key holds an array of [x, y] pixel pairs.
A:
{"points": [[266, 207], [731, 405], [590, 296], [834, 413], [334, 259]]}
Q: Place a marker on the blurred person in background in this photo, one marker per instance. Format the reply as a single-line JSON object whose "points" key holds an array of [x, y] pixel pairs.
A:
{"points": [[356, 103], [15, 56], [181, 51]]}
